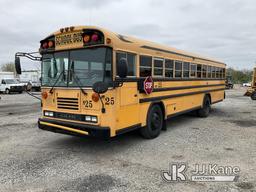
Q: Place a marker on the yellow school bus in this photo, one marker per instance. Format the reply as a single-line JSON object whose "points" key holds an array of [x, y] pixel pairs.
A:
{"points": [[99, 83]]}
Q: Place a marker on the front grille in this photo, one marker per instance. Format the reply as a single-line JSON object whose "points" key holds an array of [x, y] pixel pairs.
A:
{"points": [[67, 103]]}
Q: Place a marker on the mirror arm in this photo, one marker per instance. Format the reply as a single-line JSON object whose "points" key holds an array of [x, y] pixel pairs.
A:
{"points": [[103, 109], [29, 56]]}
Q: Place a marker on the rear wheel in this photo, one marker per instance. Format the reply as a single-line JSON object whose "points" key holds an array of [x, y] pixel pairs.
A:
{"points": [[154, 123], [253, 96], [205, 110], [7, 91]]}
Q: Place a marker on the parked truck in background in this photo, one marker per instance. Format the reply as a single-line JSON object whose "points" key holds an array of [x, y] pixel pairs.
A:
{"points": [[251, 92], [9, 83], [31, 78]]}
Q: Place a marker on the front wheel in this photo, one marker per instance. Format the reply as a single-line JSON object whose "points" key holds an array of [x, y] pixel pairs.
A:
{"points": [[154, 123], [205, 110], [253, 96]]}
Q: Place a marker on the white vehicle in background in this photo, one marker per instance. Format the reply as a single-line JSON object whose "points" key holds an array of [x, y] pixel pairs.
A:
{"points": [[247, 84], [11, 85], [31, 79]]}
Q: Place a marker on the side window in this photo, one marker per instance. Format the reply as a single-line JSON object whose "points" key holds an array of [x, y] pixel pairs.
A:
{"points": [[213, 72], [219, 70], [199, 71], [169, 68], [186, 67], [223, 73], [209, 75], [178, 69], [204, 70], [145, 66], [131, 59], [3, 82], [158, 67], [193, 70]]}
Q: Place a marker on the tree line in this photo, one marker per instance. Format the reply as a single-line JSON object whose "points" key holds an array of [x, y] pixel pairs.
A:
{"points": [[239, 76]]}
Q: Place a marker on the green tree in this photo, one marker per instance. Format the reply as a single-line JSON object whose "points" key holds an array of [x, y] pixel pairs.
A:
{"points": [[8, 67]]}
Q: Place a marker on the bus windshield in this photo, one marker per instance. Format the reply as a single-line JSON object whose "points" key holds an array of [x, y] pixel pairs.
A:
{"points": [[77, 68]]}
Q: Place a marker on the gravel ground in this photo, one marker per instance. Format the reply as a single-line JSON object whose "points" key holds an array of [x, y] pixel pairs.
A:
{"points": [[36, 160]]}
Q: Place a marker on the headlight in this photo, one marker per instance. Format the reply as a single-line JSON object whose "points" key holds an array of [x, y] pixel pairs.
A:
{"points": [[90, 118], [48, 113]]}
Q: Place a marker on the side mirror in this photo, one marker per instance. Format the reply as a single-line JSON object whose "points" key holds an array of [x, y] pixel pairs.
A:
{"points": [[122, 68], [100, 87], [17, 65]]}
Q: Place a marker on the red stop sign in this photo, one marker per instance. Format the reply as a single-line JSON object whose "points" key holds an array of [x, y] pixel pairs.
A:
{"points": [[148, 85]]}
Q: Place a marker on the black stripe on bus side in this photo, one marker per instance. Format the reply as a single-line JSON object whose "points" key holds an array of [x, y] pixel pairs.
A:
{"points": [[183, 112], [166, 79], [177, 95], [184, 87], [180, 54], [128, 129], [217, 101]]}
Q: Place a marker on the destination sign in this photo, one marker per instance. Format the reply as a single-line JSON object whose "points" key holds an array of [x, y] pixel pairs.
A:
{"points": [[69, 39]]}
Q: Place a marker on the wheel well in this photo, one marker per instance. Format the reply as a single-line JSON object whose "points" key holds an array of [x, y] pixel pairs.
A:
{"points": [[209, 95]]}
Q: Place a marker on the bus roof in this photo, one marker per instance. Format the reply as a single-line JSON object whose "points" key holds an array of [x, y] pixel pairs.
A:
{"points": [[144, 45]]}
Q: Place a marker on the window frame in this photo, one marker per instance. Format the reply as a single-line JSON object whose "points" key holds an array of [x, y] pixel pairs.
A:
{"points": [[145, 67], [169, 69], [153, 63], [177, 61], [193, 64], [186, 70], [135, 60]]}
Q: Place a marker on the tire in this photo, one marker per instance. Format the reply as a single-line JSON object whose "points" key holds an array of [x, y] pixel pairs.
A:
{"points": [[20, 92], [205, 110], [253, 96], [7, 91], [155, 122]]}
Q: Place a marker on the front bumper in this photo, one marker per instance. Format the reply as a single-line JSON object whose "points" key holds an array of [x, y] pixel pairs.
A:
{"points": [[16, 88], [76, 129]]}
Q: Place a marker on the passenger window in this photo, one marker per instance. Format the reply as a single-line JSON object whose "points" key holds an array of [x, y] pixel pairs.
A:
{"points": [[178, 69], [3, 82], [169, 68], [213, 72], [158, 67], [186, 67], [145, 66], [204, 71], [209, 75], [131, 60], [199, 71], [193, 70]]}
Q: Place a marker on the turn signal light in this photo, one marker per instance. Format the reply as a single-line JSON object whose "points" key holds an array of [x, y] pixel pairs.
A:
{"points": [[95, 37], [50, 44], [86, 38], [44, 95], [95, 97], [45, 45]]}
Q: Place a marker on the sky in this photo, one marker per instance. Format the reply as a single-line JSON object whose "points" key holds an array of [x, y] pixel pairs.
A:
{"points": [[222, 29]]}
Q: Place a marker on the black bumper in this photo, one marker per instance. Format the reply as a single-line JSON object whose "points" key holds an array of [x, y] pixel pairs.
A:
{"points": [[16, 89], [93, 131]]}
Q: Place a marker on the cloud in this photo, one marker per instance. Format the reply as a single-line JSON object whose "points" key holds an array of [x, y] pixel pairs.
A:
{"points": [[220, 29]]}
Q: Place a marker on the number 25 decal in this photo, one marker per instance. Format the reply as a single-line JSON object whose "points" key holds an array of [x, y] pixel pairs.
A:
{"points": [[109, 101], [88, 104]]}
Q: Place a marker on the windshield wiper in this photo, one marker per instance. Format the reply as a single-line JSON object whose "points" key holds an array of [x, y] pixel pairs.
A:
{"points": [[78, 82], [51, 90]]}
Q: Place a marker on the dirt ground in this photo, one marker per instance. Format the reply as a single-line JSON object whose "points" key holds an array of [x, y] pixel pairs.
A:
{"points": [[36, 160]]}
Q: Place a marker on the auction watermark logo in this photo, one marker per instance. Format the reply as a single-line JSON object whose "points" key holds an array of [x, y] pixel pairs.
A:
{"points": [[178, 172]]}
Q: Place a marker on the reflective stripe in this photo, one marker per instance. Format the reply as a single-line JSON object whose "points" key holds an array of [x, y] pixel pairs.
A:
{"points": [[65, 128]]}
